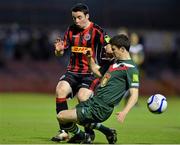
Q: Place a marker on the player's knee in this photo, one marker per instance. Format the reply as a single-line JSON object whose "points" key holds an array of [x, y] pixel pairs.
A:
{"points": [[60, 117], [61, 91], [82, 98], [84, 95]]}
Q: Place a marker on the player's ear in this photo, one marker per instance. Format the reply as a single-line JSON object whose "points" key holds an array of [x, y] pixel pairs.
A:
{"points": [[87, 16], [122, 49]]}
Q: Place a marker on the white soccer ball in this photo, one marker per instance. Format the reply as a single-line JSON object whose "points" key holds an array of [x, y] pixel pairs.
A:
{"points": [[157, 103]]}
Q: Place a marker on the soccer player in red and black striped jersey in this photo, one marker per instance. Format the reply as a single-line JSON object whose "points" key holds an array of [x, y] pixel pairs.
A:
{"points": [[82, 35]]}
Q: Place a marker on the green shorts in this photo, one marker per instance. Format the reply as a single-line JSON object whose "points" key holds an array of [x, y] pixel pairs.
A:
{"points": [[93, 110]]}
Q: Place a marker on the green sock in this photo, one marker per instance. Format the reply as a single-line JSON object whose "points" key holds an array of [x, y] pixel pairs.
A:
{"points": [[98, 126], [75, 130]]}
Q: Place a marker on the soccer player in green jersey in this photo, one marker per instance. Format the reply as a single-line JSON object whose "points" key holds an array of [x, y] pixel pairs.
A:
{"points": [[121, 78]]}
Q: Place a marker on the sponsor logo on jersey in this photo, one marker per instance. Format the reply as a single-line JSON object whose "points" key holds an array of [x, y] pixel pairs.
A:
{"points": [[78, 49]]}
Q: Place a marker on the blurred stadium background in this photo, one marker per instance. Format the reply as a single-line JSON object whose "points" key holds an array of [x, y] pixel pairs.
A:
{"points": [[28, 29]]}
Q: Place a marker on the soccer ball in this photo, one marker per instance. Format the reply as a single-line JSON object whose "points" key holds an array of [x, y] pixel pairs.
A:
{"points": [[157, 103]]}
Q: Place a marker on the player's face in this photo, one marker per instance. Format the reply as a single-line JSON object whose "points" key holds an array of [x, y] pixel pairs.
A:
{"points": [[117, 52], [80, 19]]}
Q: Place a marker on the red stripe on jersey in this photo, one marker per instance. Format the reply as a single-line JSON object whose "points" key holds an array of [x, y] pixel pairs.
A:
{"points": [[84, 59], [65, 40], [94, 84], [76, 43], [70, 39], [70, 35], [92, 40], [102, 39], [101, 36]]}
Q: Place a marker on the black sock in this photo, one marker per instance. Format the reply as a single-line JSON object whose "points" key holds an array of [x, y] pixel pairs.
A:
{"points": [[88, 130], [61, 104]]}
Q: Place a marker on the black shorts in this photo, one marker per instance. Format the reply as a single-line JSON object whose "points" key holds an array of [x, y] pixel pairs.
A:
{"points": [[77, 81]]}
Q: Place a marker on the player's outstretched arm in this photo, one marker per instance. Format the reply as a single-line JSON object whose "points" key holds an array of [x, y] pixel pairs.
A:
{"points": [[94, 67], [133, 92], [59, 47]]}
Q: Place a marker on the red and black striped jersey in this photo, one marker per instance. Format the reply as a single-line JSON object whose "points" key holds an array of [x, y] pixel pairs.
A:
{"points": [[78, 39]]}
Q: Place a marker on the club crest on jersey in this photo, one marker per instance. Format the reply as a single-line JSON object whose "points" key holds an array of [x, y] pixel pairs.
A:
{"points": [[87, 37], [105, 80]]}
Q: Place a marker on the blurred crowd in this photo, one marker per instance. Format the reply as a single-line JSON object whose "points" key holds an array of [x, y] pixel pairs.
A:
{"points": [[27, 57], [21, 43], [159, 50]]}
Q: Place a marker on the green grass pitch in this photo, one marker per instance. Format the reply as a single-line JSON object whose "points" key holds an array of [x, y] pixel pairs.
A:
{"points": [[31, 119]]}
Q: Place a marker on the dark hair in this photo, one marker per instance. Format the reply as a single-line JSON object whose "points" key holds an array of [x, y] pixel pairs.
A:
{"points": [[80, 7], [120, 40]]}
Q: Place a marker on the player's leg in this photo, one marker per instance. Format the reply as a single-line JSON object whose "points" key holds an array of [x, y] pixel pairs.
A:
{"points": [[67, 116], [90, 83], [80, 114], [84, 113], [110, 134], [70, 116], [84, 93], [63, 89], [85, 90]]}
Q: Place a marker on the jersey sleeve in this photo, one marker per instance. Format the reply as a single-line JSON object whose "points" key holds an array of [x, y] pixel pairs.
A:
{"points": [[104, 68], [103, 41], [67, 38], [133, 78], [99, 38], [107, 38]]}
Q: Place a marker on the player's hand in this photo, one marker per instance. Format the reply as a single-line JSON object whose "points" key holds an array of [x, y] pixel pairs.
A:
{"points": [[59, 44], [121, 116], [88, 53], [108, 51], [108, 48]]}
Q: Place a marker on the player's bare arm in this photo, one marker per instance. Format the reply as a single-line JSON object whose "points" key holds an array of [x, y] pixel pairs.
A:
{"points": [[133, 92], [59, 47], [94, 67]]}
